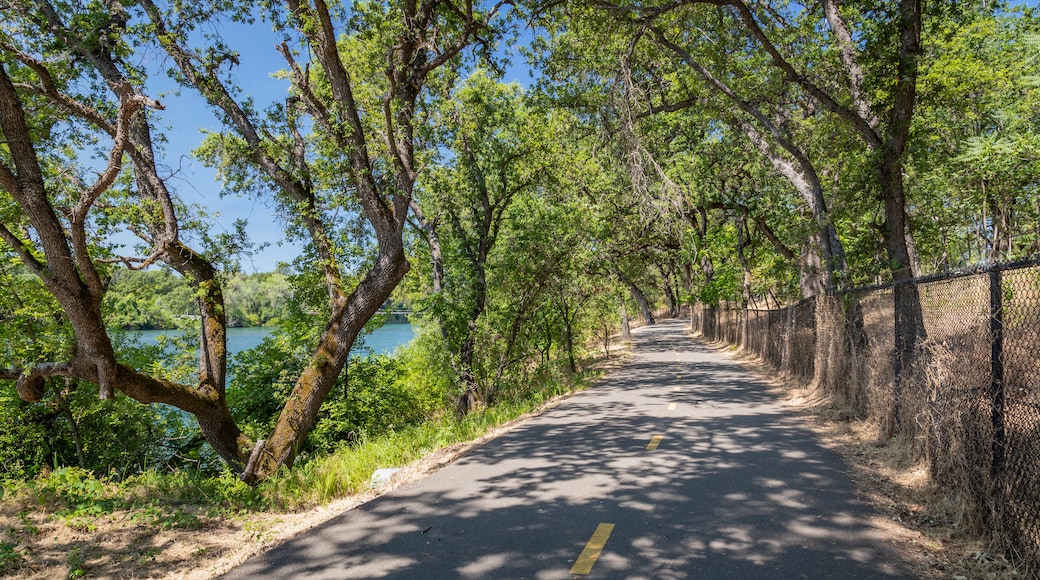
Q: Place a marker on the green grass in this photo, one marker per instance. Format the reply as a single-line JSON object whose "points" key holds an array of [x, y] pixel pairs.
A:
{"points": [[348, 470], [76, 497]]}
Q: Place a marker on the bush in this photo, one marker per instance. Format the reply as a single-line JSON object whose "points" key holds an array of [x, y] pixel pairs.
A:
{"points": [[376, 394], [372, 400], [260, 380], [119, 436]]}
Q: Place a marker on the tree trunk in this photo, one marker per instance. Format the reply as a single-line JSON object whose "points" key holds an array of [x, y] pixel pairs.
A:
{"points": [[547, 349], [669, 290], [811, 269], [640, 298], [467, 353], [313, 386], [63, 405], [823, 264], [644, 307], [801, 173], [909, 320], [745, 294], [467, 398], [626, 329], [669, 297], [526, 301], [572, 366], [433, 240]]}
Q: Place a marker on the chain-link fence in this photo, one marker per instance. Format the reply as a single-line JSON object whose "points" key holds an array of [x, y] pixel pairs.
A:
{"points": [[970, 393]]}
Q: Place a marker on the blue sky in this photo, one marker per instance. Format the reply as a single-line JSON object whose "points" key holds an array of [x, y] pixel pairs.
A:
{"points": [[186, 118]]}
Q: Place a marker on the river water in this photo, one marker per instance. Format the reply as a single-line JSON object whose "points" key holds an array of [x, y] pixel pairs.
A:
{"points": [[382, 340]]}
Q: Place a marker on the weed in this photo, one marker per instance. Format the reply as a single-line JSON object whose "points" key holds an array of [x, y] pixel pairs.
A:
{"points": [[178, 520], [259, 532], [146, 555], [164, 519], [77, 561], [82, 517], [9, 555], [72, 485], [29, 527]]}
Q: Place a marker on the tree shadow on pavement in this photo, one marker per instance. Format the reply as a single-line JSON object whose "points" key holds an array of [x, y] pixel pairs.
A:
{"points": [[737, 488]]}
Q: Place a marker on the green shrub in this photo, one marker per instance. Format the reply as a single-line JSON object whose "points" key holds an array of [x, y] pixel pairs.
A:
{"points": [[9, 555], [371, 399], [374, 396], [261, 379], [119, 436]]}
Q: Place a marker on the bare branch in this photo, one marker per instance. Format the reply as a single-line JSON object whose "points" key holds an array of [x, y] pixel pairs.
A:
{"points": [[850, 59], [860, 124]]}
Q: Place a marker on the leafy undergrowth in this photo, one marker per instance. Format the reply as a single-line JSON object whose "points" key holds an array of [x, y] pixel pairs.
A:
{"points": [[69, 523]]}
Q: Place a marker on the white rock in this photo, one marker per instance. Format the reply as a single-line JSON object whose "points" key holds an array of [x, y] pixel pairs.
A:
{"points": [[381, 476]]}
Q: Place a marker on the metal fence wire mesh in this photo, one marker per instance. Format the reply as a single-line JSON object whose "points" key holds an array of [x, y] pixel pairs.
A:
{"points": [[971, 394]]}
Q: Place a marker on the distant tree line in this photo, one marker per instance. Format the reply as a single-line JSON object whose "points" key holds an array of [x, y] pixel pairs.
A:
{"points": [[160, 299]]}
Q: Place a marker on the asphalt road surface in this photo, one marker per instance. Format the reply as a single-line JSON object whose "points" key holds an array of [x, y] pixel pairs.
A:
{"points": [[677, 466]]}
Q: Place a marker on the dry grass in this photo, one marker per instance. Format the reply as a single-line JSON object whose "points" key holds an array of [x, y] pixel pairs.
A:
{"points": [[938, 532]]}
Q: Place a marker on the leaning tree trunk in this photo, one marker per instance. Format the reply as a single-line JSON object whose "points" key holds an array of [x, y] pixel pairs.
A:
{"points": [[669, 297], [318, 378], [640, 298], [669, 290]]}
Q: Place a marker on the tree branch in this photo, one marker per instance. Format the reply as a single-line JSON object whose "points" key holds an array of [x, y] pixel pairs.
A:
{"points": [[861, 125], [849, 59]]}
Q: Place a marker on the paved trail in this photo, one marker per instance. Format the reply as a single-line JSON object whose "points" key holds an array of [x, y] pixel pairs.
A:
{"points": [[679, 466]]}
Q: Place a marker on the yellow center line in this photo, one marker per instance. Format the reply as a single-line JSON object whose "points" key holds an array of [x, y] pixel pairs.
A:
{"points": [[676, 389], [654, 442], [588, 557], [671, 406]]}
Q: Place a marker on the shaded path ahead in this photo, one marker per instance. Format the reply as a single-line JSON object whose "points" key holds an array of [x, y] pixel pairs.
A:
{"points": [[735, 488]]}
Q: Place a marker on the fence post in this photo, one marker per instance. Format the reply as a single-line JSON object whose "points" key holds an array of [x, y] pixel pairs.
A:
{"points": [[996, 328]]}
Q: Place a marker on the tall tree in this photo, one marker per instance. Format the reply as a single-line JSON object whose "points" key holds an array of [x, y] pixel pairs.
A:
{"points": [[499, 151], [974, 151], [364, 90]]}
